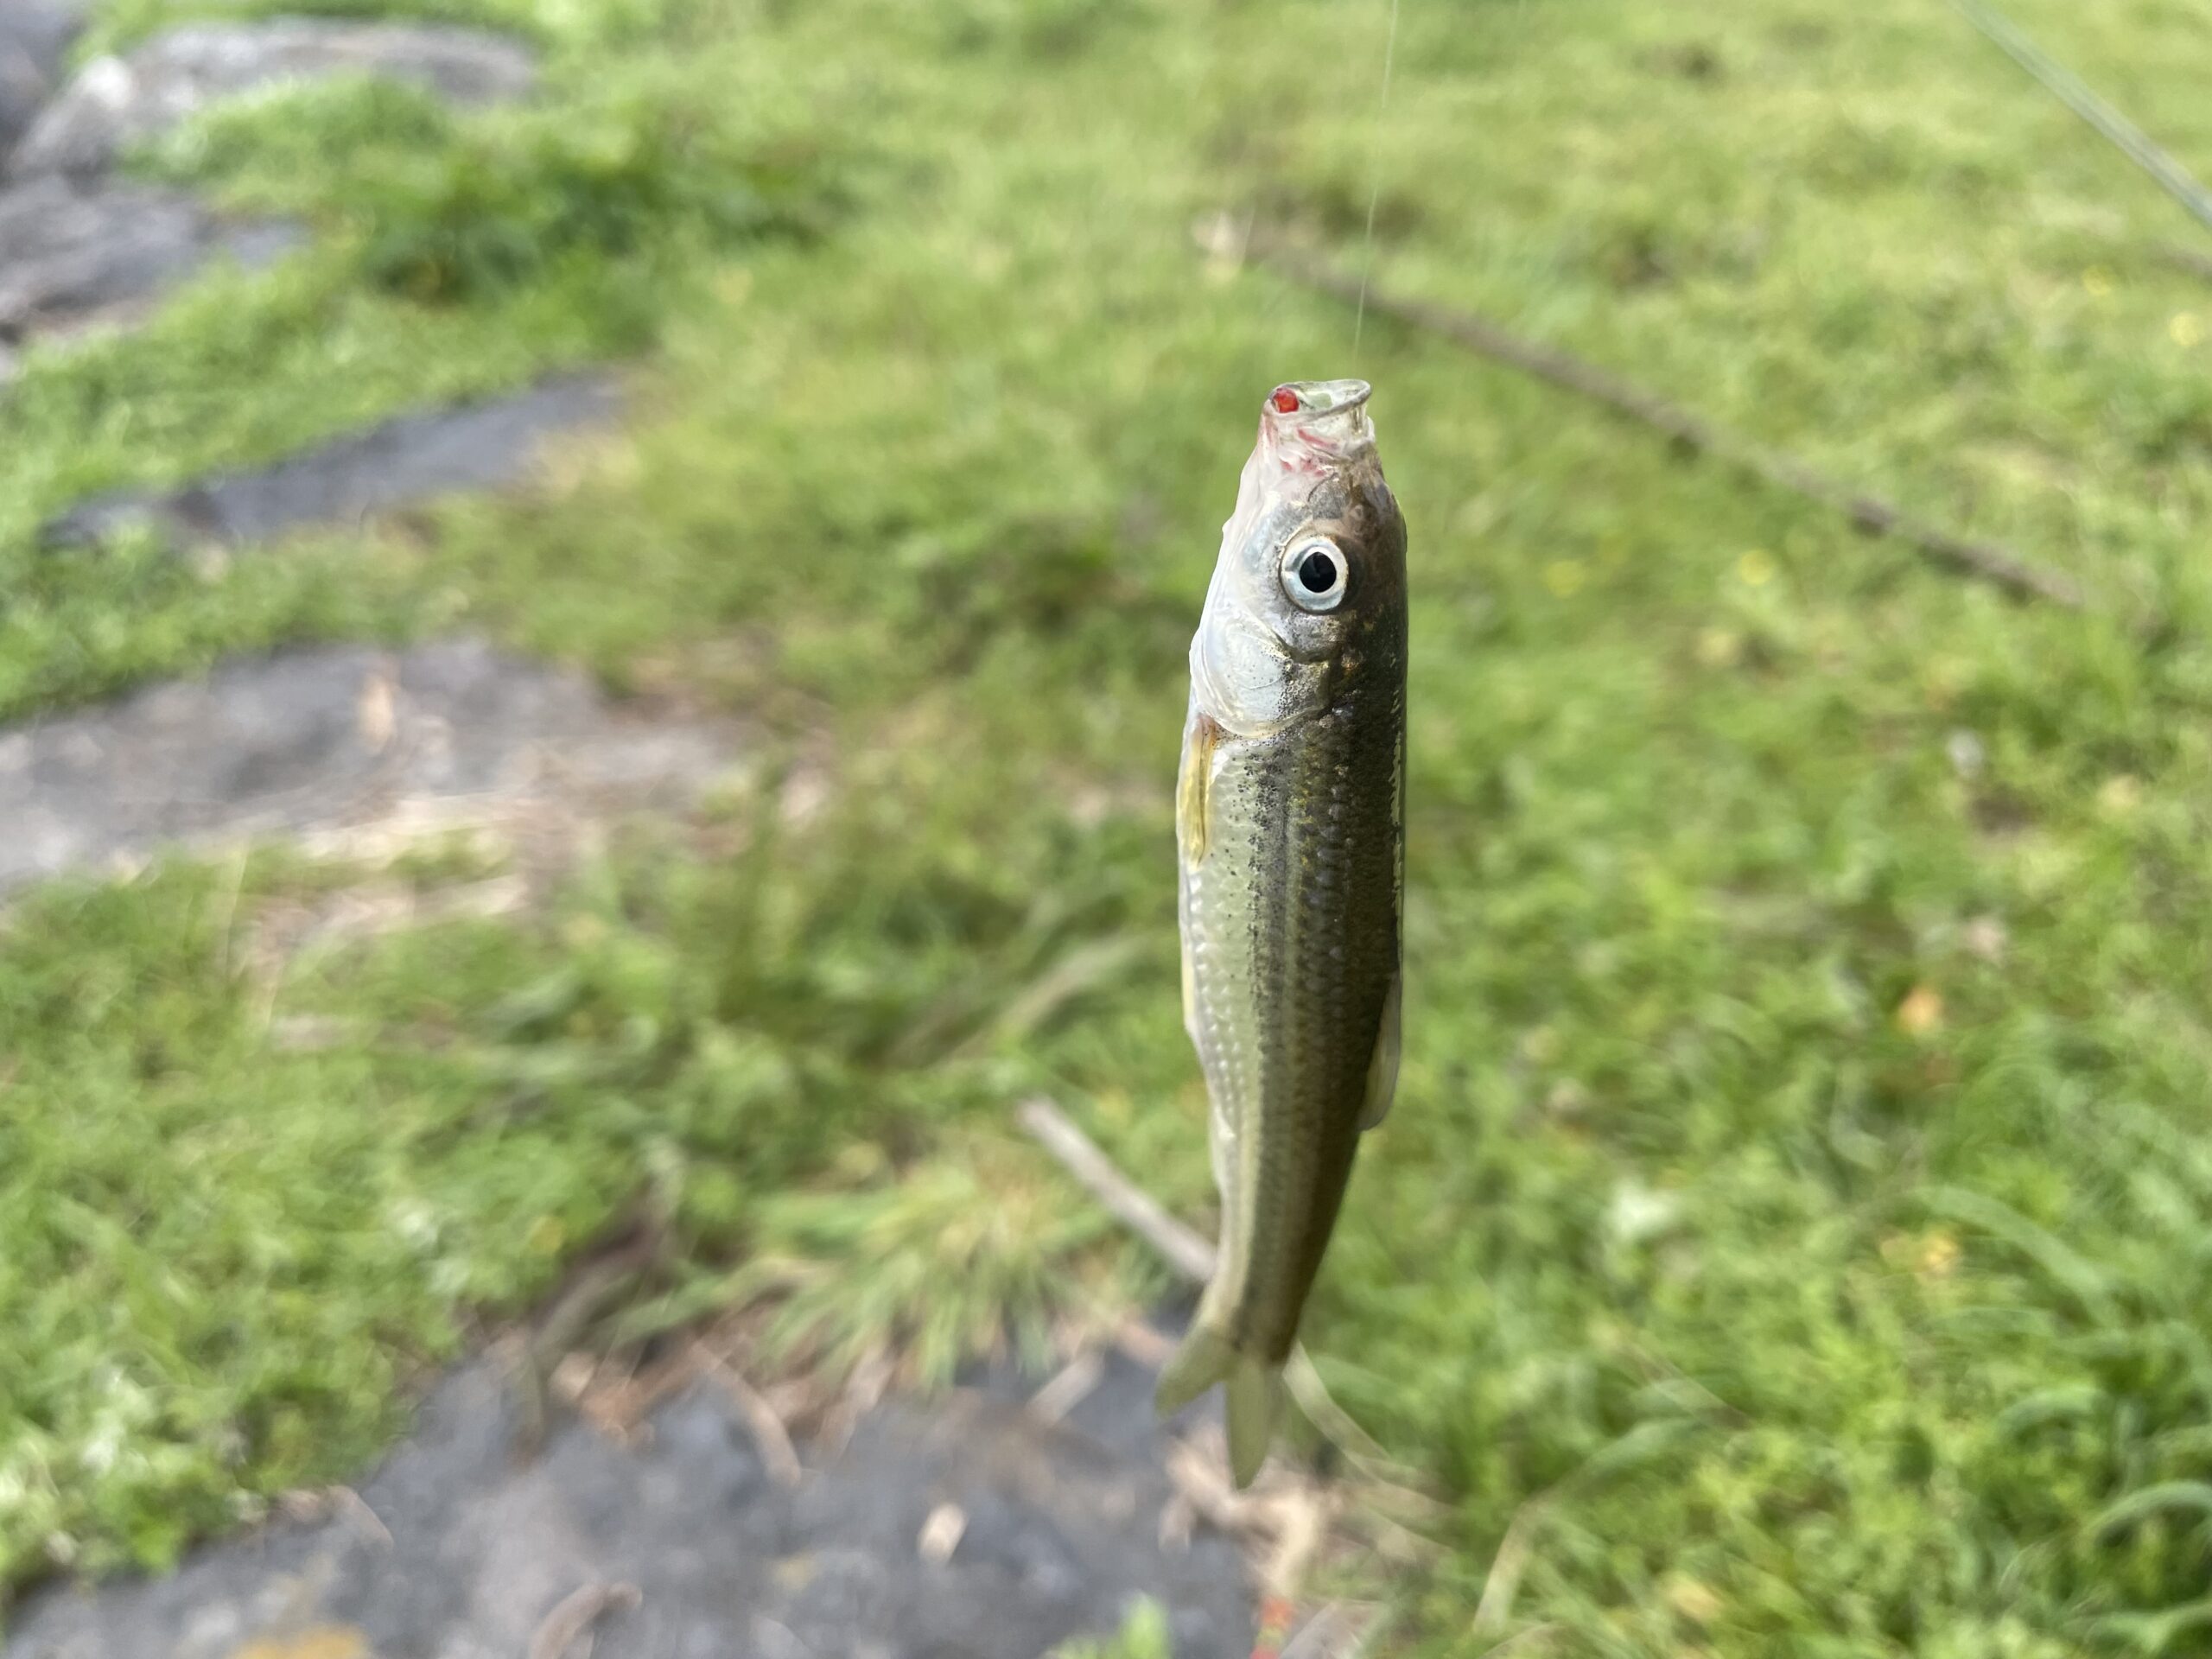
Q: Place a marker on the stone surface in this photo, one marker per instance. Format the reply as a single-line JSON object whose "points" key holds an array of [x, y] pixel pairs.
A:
{"points": [[328, 740], [1061, 1533], [415, 458], [71, 253], [35, 37], [116, 102]]}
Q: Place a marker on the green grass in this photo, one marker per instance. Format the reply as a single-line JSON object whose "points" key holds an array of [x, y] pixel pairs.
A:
{"points": [[1144, 1635], [1795, 1213]]}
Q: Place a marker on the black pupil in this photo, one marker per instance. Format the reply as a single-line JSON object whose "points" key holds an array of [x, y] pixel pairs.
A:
{"points": [[1318, 572]]}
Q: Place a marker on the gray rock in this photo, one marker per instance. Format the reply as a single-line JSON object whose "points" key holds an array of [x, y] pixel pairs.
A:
{"points": [[1062, 1535], [116, 102], [330, 740], [415, 458], [71, 253], [35, 37]]}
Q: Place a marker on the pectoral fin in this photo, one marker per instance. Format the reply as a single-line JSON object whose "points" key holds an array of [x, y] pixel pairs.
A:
{"points": [[1200, 738], [1382, 1069]]}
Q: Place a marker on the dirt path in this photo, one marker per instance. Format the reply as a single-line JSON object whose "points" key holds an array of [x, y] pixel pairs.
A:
{"points": [[1035, 1533]]}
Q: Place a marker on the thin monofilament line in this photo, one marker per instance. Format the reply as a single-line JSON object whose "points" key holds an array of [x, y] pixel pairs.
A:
{"points": [[1374, 184], [2077, 94]]}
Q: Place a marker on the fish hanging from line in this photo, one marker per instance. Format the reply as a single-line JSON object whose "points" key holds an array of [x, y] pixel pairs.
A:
{"points": [[1290, 831]]}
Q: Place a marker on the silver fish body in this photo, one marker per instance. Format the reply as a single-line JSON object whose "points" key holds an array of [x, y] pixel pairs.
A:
{"points": [[1290, 815]]}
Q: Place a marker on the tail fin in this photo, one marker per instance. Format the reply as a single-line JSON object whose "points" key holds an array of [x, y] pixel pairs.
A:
{"points": [[1253, 1396]]}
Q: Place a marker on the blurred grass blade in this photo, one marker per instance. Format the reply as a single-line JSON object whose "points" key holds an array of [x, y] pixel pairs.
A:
{"points": [[2088, 1286], [2049, 1406], [2190, 1497], [2153, 1634]]}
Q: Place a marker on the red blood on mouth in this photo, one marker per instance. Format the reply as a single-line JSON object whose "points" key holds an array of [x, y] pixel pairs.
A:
{"points": [[1285, 400]]}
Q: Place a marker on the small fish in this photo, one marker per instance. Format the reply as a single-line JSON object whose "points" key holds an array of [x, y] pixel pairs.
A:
{"points": [[1290, 828]]}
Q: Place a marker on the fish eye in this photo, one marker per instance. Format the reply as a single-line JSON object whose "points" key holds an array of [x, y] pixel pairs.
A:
{"points": [[1314, 573]]}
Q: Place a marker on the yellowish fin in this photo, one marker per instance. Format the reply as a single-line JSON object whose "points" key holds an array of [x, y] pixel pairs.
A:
{"points": [[1191, 780]]}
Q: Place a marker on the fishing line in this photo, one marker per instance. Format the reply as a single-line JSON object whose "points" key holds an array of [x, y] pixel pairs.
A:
{"points": [[1375, 183]]}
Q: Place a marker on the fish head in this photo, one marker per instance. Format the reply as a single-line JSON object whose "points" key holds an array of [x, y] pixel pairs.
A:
{"points": [[1311, 584]]}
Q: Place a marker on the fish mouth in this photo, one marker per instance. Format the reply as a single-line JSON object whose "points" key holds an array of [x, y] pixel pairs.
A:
{"points": [[1313, 398], [1312, 422]]}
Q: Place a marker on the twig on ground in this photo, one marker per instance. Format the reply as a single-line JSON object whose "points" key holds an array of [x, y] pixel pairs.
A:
{"points": [[363, 1519], [2076, 95], [621, 1408], [1869, 513], [311, 1506], [1284, 1522], [1303, 1523], [575, 1614], [1182, 1249], [596, 1288], [864, 1389], [1067, 1389], [1198, 1472], [942, 1531], [777, 1453], [1142, 1343], [602, 1284]]}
